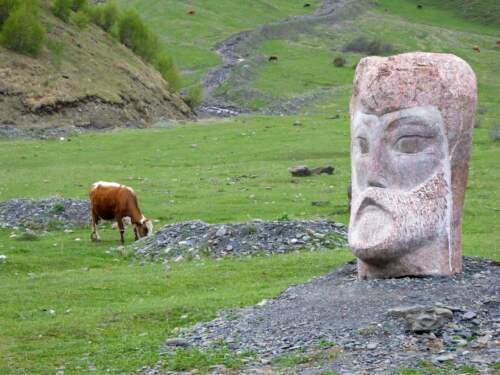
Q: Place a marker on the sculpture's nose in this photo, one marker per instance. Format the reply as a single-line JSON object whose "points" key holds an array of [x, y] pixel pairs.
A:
{"points": [[376, 175]]}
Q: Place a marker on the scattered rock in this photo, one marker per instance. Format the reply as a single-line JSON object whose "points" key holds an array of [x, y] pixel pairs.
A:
{"points": [[421, 319], [303, 171], [367, 322], [469, 315], [196, 238], [320, 203], [44, 214], [3, 258]]}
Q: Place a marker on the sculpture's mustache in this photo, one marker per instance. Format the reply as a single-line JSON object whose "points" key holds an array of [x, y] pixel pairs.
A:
{"points": [[369, 202], [395, 202]]}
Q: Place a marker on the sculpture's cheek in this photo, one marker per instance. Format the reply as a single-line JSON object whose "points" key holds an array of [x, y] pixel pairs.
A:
{"points": [[409, 170]]}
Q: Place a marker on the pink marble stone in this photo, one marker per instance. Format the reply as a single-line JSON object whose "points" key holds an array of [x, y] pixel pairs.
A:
{"points": [[412, 117]]}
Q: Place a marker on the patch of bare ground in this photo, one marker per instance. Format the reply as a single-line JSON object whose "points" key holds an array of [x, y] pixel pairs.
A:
{"points": [[83, 80]]}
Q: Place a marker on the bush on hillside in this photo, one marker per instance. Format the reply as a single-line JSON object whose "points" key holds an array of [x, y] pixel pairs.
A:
{"points": [[105, 15], [23, 32], [368, 46], [79, 5], [173, 77], [6, 8], [339, 61], [135, 35], [495, 131], [62, 9], [81, 19], [194, 96]]}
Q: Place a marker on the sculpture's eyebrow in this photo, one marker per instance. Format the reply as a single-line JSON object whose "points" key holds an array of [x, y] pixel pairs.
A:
{"points": [[363, 119], [409, 122], [417, 116]]}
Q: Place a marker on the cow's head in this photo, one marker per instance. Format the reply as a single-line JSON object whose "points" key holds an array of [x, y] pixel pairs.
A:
{"points": [[144, 228]]}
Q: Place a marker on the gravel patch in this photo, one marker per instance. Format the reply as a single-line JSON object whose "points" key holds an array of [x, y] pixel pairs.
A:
{"points": [[338, 323], [44, 214], [195, 238]]}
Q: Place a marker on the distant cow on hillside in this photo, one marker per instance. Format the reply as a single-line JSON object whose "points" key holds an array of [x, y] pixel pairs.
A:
{"points": [[273, 58], [112, 201], [476, 49], [191, 12]]}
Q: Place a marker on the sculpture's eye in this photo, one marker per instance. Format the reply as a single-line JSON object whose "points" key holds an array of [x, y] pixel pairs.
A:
{"points": [[363, 145], [411, 144]]}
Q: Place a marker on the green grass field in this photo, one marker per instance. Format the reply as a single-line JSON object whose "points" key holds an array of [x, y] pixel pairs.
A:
{"points": [[68, 304], [111, 312]]}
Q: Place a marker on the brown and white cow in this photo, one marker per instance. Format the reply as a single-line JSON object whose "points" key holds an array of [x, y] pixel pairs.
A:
{"points": [[112, 201]]}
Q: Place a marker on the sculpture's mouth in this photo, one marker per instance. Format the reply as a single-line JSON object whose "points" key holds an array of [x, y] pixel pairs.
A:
{"points": [[369, 206]]}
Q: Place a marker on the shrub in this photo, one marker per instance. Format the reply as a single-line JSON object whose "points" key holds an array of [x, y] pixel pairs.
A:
{"points": [[6, 8], [164, 64], [62, 9], [495, 132], [174, 79], [23, 32], [368, 46], [194, 96], [339, 61], [81, 19], [105, 15], [79, 5], [135, 35], [477, 123]]}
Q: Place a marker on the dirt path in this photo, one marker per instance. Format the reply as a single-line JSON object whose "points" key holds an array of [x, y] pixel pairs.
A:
{"points": [[240, 49]]}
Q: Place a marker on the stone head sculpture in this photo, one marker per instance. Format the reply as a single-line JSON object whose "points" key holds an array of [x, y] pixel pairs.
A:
{"points": [[411, 130]]}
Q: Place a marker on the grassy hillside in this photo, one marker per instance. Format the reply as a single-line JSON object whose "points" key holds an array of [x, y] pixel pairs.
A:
{"points": [[83, 78], [305, 64], [190, 38]]}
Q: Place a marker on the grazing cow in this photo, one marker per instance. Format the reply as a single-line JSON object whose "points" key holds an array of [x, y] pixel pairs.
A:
{"points": [[476, 49], [273, 58], [112, 201], [192, 12], [307, 5], [498, 41]]}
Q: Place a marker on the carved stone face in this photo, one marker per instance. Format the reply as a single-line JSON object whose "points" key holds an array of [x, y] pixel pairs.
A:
{"points": [[401, 171], [411, 125]]}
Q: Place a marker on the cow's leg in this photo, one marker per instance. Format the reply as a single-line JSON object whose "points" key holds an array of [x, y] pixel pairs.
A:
{"points": [[94, 236], [135, 233], [122, 230]]}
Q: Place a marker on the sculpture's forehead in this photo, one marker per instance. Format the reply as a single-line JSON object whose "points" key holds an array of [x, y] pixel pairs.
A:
{"points": [[428, 116]]}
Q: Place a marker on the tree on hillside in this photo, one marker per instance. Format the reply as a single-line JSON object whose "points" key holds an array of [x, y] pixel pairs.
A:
{"points": [[23, 32], [6, 7]]}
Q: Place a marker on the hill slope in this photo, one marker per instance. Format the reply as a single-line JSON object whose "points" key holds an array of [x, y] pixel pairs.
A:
{"points": [[82, 79]]}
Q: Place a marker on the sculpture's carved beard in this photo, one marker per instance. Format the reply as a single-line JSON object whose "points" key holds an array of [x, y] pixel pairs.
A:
{"points": [[387, 223]]}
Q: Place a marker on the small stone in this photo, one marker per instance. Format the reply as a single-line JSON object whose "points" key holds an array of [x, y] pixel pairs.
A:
{"points": [[445, 357], [194, 145], [371, 346], [177, 342], [3, 258], [469, 315], [320, 203], [178, 259]]}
